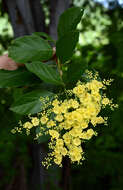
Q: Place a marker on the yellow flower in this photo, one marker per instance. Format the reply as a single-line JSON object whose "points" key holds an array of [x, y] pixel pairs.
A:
{"points": [[80, 89], [27, 125], [84, 124], [57, 110], [67, 121], [87, 135], [105, 101], [75, 158], [97, 120], [35, 121], [44, 120], [64, 151], [59, 118], [67, 124], [73, 103], [75, 132], [61, 126], [64, 106], [96, 96], [54, 134], [59, 142], [55, 102], [51, 123], [58, 160], [75, 153], [76, 141], [67, 138], [95, 85], [56, 151], [77, 116]]}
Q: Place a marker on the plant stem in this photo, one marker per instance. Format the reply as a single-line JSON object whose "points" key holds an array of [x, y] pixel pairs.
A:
{"points": [[59, 68]]}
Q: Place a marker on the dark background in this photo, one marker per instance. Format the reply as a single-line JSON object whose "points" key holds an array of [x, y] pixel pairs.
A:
{"points": [[101, 47]]}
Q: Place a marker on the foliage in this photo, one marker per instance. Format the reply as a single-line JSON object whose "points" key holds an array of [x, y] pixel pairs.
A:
{"points": [[14, 149], [30, 48], [16, 78], [45, 72], [102, 168], [30, 103]]}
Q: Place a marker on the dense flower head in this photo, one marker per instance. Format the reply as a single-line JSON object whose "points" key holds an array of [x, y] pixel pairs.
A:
{"points": [[70, 121]]}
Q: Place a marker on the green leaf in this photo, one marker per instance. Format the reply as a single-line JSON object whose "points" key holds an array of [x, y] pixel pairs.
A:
{"points": [[30, 48], [44, 72], [74, 72], [42, 138], [68, 20], [65, 45], [44, 35], [30, 103], [16, 78]]}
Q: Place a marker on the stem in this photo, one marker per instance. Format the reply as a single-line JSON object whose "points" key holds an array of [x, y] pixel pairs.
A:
{"points": [[59, 68], [58, 63]]}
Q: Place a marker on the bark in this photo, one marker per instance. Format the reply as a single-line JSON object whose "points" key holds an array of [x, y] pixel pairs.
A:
{"points": [[38, 15], [26, 16], [56, 8], [66, 174], [38, 173]]}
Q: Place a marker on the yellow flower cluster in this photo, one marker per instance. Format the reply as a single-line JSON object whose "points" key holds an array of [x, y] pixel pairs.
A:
{"points": [[71, 121]]}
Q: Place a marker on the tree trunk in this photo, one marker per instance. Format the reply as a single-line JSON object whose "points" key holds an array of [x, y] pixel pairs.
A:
{"points": [[27, 16], [56, 8], [66, 174]]}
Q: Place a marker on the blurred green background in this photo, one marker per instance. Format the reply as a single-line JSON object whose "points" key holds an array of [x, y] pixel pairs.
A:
{"points": [[101, 47]]}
